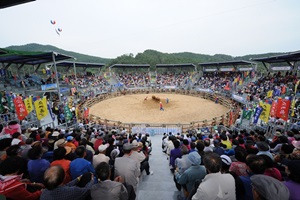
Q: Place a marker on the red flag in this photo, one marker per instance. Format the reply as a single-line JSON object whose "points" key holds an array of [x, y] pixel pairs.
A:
{"points": [[273, 109], [20, 108], [283, 107], [230, 118], [86, 113]]}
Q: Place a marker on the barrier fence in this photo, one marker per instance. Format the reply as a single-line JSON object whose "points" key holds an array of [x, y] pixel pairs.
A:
{"points": [[226, 119]]}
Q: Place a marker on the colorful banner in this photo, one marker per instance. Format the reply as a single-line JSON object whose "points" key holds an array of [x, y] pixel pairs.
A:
{"points": [[28, 104], [273, 109], [10, 102], [270, 93], [264, 116], [257, 114], [49, 86], [294, 100], [68, 113], [230, 118], [41, 108], [283, 109], [51, 113], [86, 113], [20, 108], [247, 114]]}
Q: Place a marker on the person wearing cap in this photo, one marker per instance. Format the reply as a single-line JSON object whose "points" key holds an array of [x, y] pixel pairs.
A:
{"points": [[195, 172], [140, 157], [127, 167], [105, 188], [263, 149], [60, 142], [215, 185], [226, 162], [266, 187], [59, 159], [293, 181], [70, 143], [296, 152], [239, 167], [79, 166], [101, 157]]}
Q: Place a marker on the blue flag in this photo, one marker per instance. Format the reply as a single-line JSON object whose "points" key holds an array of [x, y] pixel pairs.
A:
{"points": [[257, 113]]}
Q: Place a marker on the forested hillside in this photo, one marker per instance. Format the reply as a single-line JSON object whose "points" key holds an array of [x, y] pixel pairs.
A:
{"points": [[151, 57]]}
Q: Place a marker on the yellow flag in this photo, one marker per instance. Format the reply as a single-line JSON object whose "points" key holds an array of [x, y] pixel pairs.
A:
{"points": [[270, 93], [241, 82], [264, 116], [41, 108], [28, 104], [294, 100]]}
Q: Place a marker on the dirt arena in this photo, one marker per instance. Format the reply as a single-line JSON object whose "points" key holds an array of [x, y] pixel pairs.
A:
{"points": [[180, 109]]}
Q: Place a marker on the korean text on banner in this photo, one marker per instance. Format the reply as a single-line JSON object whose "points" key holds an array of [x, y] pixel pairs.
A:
{"points": [[20, 108], [41, 108], [28, 104]]}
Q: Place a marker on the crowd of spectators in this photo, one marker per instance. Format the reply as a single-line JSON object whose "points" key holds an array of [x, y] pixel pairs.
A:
{"points": [[135, 79], [84, 163], [171, 79], [235, 164]]}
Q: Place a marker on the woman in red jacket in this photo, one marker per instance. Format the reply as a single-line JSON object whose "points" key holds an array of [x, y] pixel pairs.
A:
{"points": [[11, 184]]}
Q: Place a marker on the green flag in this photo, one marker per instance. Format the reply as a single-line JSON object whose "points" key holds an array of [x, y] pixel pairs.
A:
{"points": [[247, 114], [68, 113]]}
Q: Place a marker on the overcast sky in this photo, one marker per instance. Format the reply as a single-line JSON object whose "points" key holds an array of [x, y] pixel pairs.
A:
{"points": [[110, 28]]}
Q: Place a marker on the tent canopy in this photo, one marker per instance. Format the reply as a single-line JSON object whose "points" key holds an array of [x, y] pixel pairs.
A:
{"points": [[227, 63], [21, 58], [184, 65], [84, 65], [289, 57], [9, 3], [135, 66]]}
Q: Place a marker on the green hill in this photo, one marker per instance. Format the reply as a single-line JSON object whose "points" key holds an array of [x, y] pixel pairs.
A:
{"points": [[151, 57], [47, 48]]}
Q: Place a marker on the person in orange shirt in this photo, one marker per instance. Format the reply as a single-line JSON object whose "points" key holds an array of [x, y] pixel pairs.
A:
{"points": [[161, 106], [70, 143]]}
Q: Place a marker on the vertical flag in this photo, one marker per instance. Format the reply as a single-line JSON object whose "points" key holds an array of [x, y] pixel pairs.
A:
{"points": [[270, 93], [294, 99], [67, 112], [41, 108], [247, 114], [50, 111], [28, 104], [283, 109], [87, 111], [10, 102], [257, 113], [20, 108], [273, 110], [264, 116]]}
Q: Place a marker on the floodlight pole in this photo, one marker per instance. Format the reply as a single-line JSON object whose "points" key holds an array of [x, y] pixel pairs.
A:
{"points": [[56, 76]]}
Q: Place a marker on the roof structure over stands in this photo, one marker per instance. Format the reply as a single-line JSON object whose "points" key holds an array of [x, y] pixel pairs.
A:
{"points": [[21, 58], [234, 64], [132, 66], [9, 3], [290, 58], [84, 65], [183, 65]]}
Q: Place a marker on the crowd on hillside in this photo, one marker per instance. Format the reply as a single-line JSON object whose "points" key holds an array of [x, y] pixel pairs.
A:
{"points": [[235, 164], [85, 163]]}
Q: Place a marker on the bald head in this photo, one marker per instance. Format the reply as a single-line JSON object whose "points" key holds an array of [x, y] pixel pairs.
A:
{"points": [[53, 177]]}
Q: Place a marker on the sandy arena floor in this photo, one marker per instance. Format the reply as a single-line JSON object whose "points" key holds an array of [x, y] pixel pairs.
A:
{"points": [[180, 109]]}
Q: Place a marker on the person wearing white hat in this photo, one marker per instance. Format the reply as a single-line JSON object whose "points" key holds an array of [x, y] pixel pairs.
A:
{"points": [[101, 157]]}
